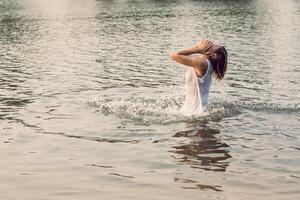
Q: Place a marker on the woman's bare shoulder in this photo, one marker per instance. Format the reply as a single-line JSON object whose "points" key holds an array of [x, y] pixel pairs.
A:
{"points": [[201, 66], [201, 60]]}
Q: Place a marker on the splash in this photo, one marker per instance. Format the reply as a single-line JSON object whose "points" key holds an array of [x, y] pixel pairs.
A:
{"points": [[164, 109], [152, 109]]}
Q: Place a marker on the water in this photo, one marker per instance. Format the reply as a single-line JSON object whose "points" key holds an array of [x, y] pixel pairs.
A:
{"points": [[90, 101]]}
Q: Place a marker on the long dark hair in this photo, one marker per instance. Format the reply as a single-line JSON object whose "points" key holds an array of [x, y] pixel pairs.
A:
{"points": [[220, 63]]}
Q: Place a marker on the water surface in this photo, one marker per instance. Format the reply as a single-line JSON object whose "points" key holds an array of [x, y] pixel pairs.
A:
{"points": [[90, 101]]}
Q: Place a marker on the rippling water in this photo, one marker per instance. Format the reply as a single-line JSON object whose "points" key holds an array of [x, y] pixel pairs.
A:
{"points": [[90, 101]]}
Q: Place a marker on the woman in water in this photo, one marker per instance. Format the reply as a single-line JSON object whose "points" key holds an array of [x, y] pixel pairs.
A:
{"points": [[205, 59]]}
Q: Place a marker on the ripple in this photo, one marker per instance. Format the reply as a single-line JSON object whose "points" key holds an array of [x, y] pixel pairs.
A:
{"points": [[190, 184], [96, 139], [120, 175], [101, 166]]}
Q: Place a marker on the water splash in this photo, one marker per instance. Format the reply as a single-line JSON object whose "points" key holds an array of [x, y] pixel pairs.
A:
{"points": [[154, 109], [269, 107], [164, 109]]}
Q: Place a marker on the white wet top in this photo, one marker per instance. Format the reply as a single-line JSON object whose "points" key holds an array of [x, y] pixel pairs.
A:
{"points": [[197, 90]]}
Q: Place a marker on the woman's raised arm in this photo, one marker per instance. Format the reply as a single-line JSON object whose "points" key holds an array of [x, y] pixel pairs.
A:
{"points": [[201, 47], [192, 61]]}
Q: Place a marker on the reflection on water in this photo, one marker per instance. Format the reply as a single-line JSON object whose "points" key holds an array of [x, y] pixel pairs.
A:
{"points": [[200, 148], [203, 149]]}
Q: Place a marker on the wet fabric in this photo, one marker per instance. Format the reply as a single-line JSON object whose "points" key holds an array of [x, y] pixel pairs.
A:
{"points": [[197, 90]]}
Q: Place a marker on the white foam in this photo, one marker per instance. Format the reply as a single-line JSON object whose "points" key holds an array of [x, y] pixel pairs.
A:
{"points": [[151, 109]]}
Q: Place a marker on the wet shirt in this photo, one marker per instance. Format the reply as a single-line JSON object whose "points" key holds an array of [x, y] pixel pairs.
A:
{"points": [[197, 90]]}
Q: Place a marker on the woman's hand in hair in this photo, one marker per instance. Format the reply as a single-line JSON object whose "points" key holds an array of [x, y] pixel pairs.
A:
{"points": [[203, 45]]}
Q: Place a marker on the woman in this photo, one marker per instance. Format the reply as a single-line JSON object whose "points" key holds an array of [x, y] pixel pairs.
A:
{"points": [[205, 59]]}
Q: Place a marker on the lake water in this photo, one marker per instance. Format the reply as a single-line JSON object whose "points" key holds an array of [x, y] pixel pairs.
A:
{"points": [[90, 101]]}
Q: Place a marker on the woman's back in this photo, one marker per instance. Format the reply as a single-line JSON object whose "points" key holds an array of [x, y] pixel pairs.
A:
{"points": [[204, 84], [197, 90]]}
